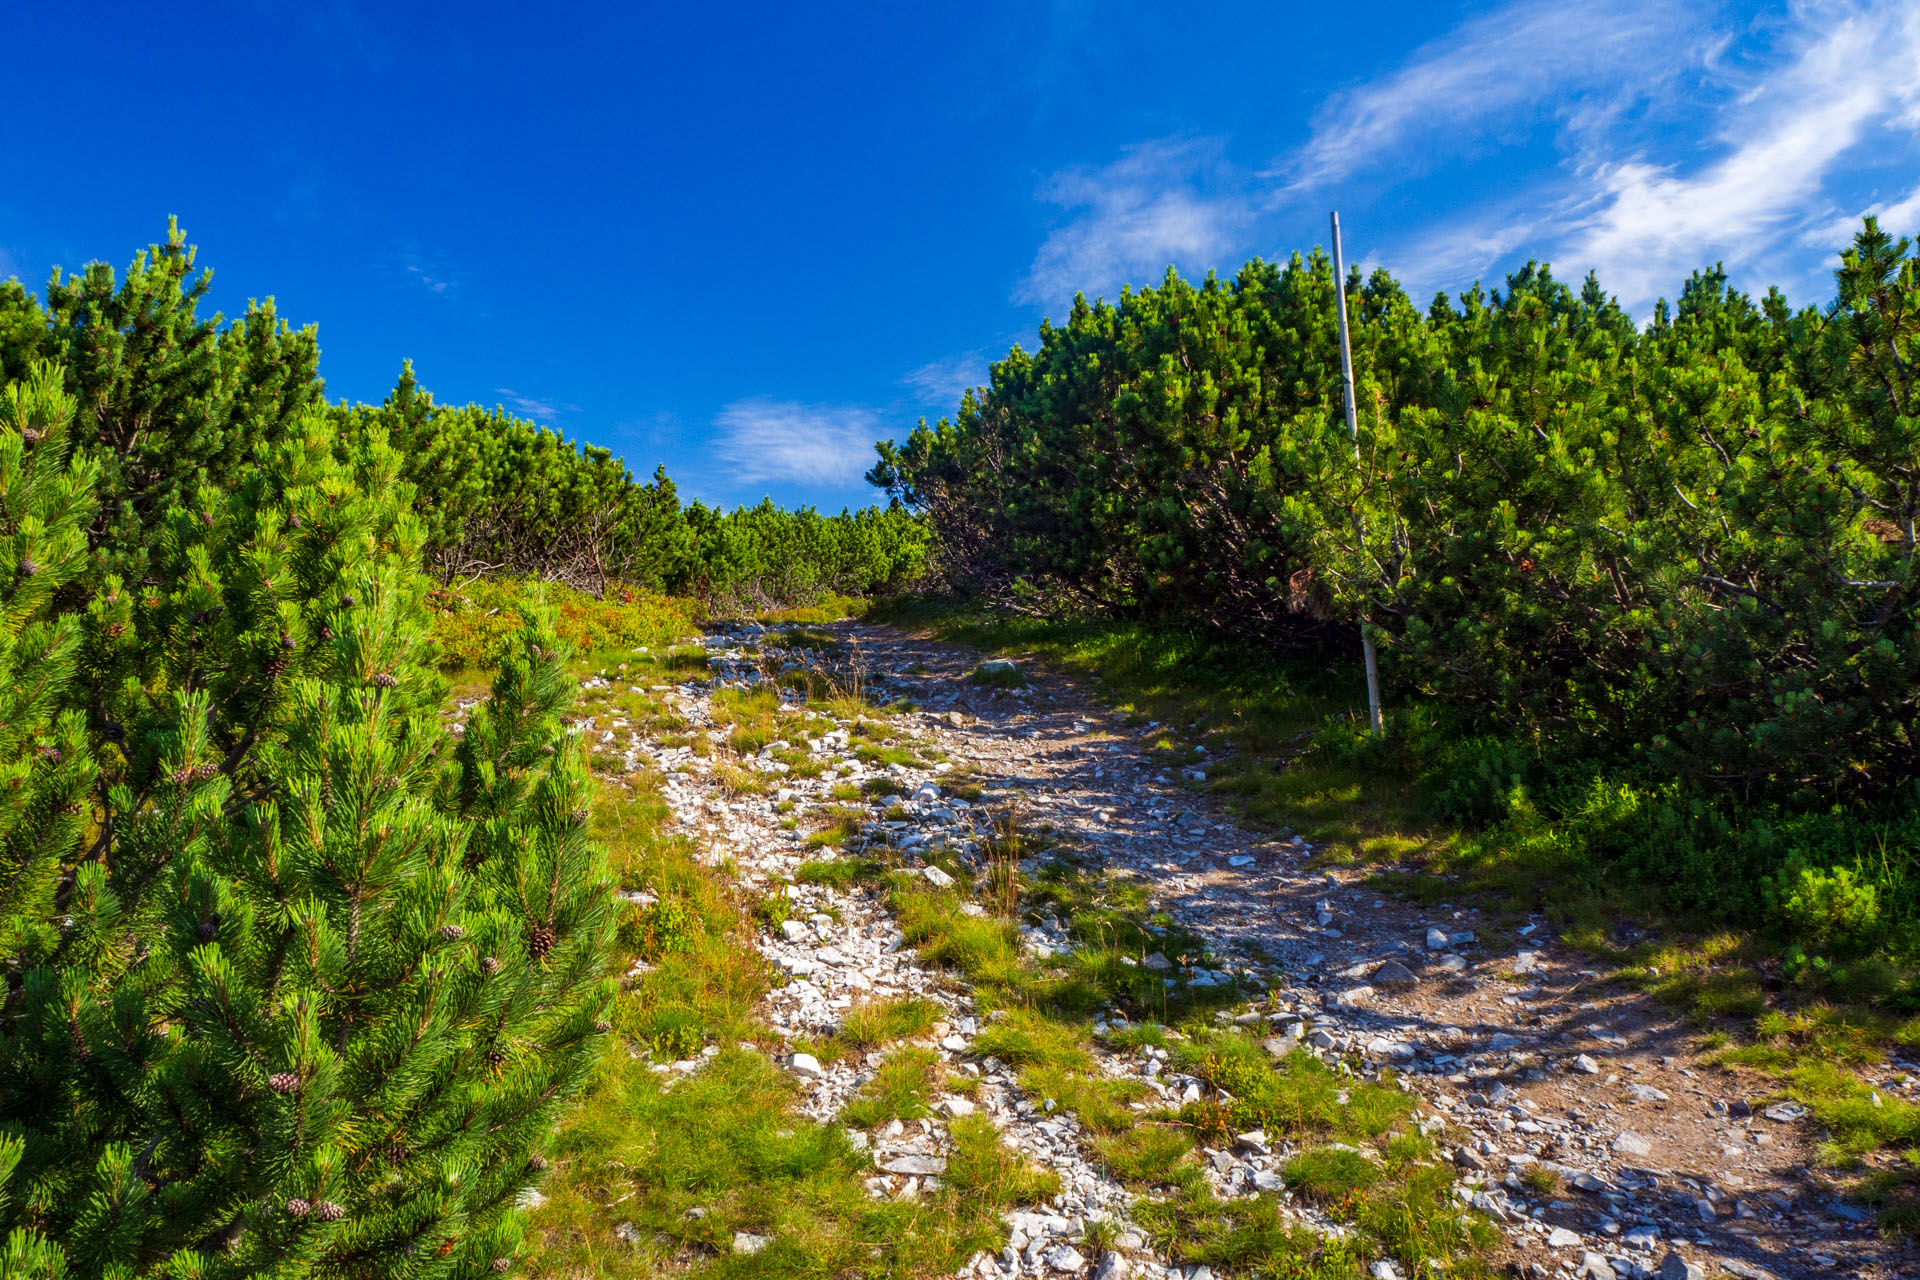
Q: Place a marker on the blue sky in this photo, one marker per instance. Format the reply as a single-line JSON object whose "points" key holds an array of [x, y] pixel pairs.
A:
{"points": [[745, 241]]}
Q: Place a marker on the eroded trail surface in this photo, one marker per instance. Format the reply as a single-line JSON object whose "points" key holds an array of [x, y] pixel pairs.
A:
{"points": [[1520, 1054]]}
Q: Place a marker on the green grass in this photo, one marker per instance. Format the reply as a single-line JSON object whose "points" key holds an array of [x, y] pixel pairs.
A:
{"points": [[871, 1024], [655, 1173], [903, 1087]]}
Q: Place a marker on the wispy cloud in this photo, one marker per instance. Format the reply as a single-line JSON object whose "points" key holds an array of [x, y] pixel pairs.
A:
{"points": [[433, 283], [787, 442], [1582, 64], [1849, 74], [942, 382], [1897, 217], [533, 407], [418, 269], [1678, 137], [1168, 202]]}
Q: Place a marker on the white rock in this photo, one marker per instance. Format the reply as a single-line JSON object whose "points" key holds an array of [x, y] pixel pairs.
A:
{"points": [[1382, 1269], [1561, 1238], [1437, 940], [1630, 1143], [1586, 1065], [745, 1242], [936, 877], [805, 1064], [1065, 1257], [1113, 1266]]}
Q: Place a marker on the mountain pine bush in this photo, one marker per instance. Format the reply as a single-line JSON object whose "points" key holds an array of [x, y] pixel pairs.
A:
{"points": [[296, 979], [1664, 576]]}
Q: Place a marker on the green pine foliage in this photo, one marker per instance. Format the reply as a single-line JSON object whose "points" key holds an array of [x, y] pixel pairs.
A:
{"points": [[298, 981], [165, 399], [298, 972], [499, 494], [1658, 582]]}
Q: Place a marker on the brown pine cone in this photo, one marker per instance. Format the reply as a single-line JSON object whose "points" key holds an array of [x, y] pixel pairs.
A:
{"points": [[328, 1211], [602, 1026], [451, 931], [503, 1265], [298, 1208], [489, 966], [283, 1082], [540, 941]]}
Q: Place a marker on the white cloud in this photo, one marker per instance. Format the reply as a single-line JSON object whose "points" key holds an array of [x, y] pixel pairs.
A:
{"points": [[1163, 203], [433, 284], [784, 441], [1897, 218], [943, 382], [1583, 62], [532, 407], [1848, 73], [1682, 135]]}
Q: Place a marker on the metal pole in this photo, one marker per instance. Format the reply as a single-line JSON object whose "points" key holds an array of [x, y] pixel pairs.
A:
{"points": [[1353, 429]]}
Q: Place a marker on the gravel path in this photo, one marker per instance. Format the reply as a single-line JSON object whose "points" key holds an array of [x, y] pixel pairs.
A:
{"points": [[1664, 1165]]}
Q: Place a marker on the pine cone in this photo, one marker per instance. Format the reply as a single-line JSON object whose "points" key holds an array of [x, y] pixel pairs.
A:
{"points": [[181, 777], [209, 930], [113, 732], [601, 1026], [287, 642], [275, 668], [537, 1163], [283, 1082], [503, 1265], [489, 966], [328, 1211], [540, 941], [293, 522], [28, 568], [451, 931], [297, 1208], [580, 814], [326, 632], [385, 680], [495, 1057], [348, 602], [116, 629], [204, 771]]}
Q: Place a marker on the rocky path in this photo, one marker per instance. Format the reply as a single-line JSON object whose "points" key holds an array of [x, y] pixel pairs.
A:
{"points": [[1664, 1167]]}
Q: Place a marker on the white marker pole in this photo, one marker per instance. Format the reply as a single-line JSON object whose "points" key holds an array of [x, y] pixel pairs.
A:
{"points": [[1353, 429]]}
